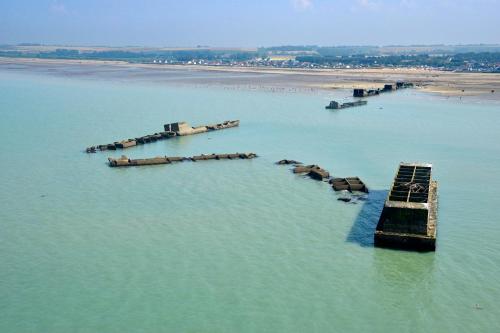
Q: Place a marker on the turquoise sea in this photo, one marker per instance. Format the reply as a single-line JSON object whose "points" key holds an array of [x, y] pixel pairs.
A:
{"points": [[238, 246]]}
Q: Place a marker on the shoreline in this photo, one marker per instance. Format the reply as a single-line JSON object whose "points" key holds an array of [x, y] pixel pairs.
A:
{"points": [[430, 81]]}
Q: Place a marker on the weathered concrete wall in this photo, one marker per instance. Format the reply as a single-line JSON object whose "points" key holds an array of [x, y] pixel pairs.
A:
{"points": [[171, 130], [404, 220], [408, 219], [124, 161]]}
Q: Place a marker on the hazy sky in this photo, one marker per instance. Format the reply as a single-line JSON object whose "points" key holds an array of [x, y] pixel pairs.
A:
{"points": [[249, 22]]}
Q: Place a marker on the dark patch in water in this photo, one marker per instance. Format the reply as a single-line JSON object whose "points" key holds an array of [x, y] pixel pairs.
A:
{"points": [[365, 223]]}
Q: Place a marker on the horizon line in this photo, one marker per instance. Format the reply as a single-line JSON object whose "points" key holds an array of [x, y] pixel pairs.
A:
{"points": [[203, 46]]}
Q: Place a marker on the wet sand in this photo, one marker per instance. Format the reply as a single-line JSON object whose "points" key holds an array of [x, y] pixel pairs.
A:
{"points": [[432, 81]]}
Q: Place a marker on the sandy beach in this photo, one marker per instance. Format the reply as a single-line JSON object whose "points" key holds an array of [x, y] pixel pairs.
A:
{"points": [[485, 85]]}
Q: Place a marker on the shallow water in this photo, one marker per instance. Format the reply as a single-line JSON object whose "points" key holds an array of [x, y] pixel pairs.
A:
{"points": [[238, 246]]}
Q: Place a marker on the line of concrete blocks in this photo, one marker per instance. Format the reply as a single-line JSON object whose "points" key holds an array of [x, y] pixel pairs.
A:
{"points": [[387, 87], [124, 161], [171, 130], [132, 142], [351, 184], [314, 171]]}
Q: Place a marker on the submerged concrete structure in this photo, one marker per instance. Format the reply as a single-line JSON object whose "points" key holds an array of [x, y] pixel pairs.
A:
{"points": [[365, 93], [409, 217], [334, 105], [387, 88], [403, 84], [124, 161], [183, 128], [359, 93], [313, 171], [171, 130], [350, 184]]}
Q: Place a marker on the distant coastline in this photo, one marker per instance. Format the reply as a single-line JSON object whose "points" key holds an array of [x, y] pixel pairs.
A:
{"points": [[480, 58], [429, 80]]}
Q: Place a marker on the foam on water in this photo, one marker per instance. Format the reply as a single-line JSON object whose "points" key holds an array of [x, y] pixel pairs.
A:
{"points": [[238, 246]]}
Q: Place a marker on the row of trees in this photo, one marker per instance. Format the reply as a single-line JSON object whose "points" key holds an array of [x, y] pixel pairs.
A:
{"points": [[140, 56], [483, 59]]}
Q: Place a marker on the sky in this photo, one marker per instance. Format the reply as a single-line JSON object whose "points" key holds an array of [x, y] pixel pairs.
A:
{"points": [[249, 23]]}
